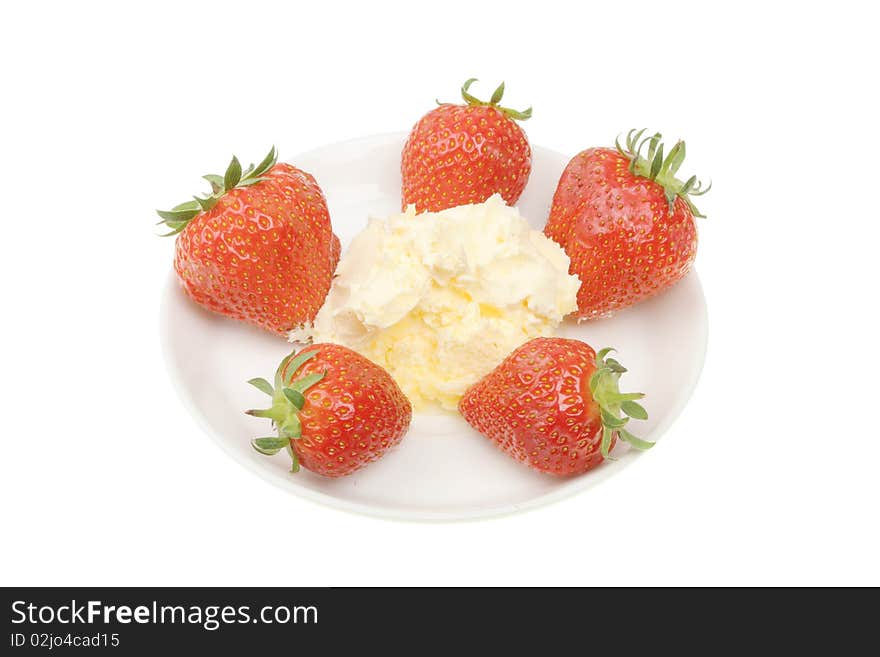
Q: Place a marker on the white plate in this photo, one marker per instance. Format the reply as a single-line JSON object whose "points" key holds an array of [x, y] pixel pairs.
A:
{"points": [[443, 470]]}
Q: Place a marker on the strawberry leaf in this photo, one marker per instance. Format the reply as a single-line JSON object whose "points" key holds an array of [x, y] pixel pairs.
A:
{"points": [[596, 377], [605, 446], [602, 353], [206, 203], [267, 163], [215, 180], [294, 460], [612, 421], [497, 94], [233, 174], [468, 98], [295, 397], [293, 362], [176, 224], [262, 385], [638, 443], [675, 159], [270, 445], [656, 163], [303, 384], [614, 366], [279, 380], [634, 410], [292, 428], [653, 142], [186, 205], [250, 181], [178, 215]]}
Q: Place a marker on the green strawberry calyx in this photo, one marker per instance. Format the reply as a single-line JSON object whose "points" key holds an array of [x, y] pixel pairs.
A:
{"points": [[180, 215], [288, 400], [492, 102], [662, 169], [612, 403]]}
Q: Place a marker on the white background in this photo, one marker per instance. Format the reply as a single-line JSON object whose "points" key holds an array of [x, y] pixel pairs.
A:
{"points": [[111, 110]]}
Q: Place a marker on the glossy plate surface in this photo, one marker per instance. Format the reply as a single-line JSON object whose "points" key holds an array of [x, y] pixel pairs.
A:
{"points": [[442, 470]]}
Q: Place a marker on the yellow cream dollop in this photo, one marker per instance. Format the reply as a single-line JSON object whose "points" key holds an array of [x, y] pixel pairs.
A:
{"points": [[441, 298]]}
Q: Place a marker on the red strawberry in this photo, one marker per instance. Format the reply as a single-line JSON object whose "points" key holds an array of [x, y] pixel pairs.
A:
{"points": [[260, 248], [626, 222], [554, 404], [335, 411], [459, 154]]}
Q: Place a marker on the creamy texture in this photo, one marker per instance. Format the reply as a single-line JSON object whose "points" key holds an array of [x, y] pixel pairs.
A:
{"points": [[439, 299]]}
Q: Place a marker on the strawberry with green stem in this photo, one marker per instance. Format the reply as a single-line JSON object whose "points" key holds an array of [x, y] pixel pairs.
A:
{"points": [[461, 154], [626, 222], [555, 405], [259, 247], [334, 410]]}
